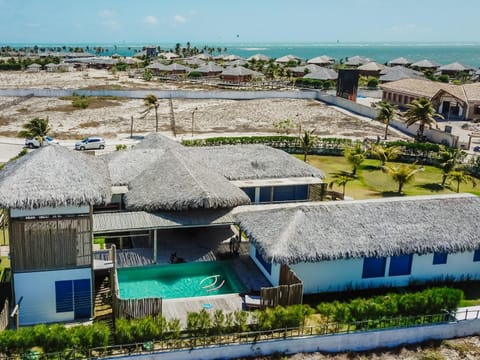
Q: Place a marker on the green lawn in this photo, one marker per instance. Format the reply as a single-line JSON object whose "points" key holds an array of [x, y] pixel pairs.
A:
{"points": [[373, 183]]}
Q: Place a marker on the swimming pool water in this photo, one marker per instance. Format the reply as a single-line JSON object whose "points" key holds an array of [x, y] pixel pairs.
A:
{"points": [[178, 280]]}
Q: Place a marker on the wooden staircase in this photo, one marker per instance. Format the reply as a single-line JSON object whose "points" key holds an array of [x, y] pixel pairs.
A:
{"points": [[103, 305]]}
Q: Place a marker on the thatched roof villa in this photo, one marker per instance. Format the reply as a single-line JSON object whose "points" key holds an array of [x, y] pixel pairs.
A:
{"points": [[335, 245]]}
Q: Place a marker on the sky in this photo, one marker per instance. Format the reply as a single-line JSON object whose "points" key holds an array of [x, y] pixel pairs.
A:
{"points": [[245, 21]]}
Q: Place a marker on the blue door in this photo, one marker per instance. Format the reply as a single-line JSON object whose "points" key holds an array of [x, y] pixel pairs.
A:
{"points": [[82, 299]]}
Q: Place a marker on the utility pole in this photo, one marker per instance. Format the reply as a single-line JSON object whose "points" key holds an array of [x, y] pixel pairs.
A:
{"points": [[193, 119]]}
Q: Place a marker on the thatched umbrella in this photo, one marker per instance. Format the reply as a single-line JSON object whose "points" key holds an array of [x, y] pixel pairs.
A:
{"points": [[242, 162], [54, 176], [176, 182], [314, 232]]}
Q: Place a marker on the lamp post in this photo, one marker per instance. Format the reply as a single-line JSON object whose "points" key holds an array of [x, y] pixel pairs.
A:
{"points": [[193, 119]]}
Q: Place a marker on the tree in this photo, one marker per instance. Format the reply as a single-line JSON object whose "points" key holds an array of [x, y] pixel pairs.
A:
{"points": [[385, 153], [35, 128], [402, 174], [449, 159], [284, 126], [151, 102], [355, 155], [341, 178], [421, 111], [386, 114], [307, 142], [461, 177]]}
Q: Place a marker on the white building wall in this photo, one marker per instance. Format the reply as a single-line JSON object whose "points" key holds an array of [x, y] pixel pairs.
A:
{"points": [[38, 291], [338, 275]]}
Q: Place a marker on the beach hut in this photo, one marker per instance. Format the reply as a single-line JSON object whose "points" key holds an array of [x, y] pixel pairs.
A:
{"points": [[49, 194], [398, 72], [455, 69], [288, 59], [371, 69], [33, 68], [322, 60], [51, 67], [210, 69], [390, 242], [232, 58], [193, 61], [300, 71], [425, 65], [356, 61], [237, 74], [169, 56], [401, 61], [259, 57], [323, 74]]}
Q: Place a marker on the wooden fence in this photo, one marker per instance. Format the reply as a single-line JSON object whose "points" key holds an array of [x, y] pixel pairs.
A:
{"points": [[289, 292], [5, 316], [131, 308]]}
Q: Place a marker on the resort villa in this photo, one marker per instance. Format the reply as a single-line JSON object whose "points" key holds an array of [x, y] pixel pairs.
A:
{"points": [[216, 221]]}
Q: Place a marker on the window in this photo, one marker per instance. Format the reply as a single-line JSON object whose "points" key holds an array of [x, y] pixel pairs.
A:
{"points": [[400, 265], [439, 258], [64, 296], [290, 193], [373, 267], [476, 110], [266, 194], [267, 266], [476, 255], [250, 193]]}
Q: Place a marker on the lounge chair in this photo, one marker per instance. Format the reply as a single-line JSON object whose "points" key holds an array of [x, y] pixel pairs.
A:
{"points": [[252, 302]]}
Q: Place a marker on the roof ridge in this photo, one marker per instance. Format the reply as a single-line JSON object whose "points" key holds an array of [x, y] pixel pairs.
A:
{"points": [[291, 227]]}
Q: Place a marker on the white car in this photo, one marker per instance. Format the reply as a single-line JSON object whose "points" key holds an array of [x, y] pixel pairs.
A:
{"points": [[35, 143], [90, 143]]}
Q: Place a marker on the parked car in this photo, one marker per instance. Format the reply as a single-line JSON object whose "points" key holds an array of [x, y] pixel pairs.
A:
{"points": [[35, 142], [90, 143], [476, 149]]}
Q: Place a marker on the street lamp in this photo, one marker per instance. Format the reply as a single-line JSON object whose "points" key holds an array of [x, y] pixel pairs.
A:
{"points": [[193, 119]]}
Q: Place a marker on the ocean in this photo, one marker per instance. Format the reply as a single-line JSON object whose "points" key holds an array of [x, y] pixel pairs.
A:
{"points": [[442, 53]]}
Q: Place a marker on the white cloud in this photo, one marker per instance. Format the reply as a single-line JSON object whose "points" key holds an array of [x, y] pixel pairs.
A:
{"points": [[179, 19], [106, 13], [108, 19], [150, 20]]}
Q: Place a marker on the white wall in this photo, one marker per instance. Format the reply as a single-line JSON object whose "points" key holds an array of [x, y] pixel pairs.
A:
{"points": [[274, 276], [38, 291], [61, 210], [338, 275]]}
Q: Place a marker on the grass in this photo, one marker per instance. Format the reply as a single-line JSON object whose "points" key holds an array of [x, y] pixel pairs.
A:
{"points": [[372, 183]]}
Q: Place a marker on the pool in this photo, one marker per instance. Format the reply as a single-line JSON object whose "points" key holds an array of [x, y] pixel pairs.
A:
{"points": [[178, 280]]}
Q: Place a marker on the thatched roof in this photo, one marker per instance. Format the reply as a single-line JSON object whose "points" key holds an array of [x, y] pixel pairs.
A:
{"points": [[371, 66], [301, 69], [365, 228], [425, 64], [322, 74], [398, 73], [157, 141], [455, 66], [423, 87], [232, 57], [287, 58], [357, 60], [242, 162], [237, 71], [194, 61], [472, 91], [176, 182], [399, 61], [259, 57], [53, 176], [321, 60], [209, 68]]}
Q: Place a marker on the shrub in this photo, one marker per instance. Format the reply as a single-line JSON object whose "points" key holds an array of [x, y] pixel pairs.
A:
{"points": [[80, 102], [194, 75], [120, 147], [372, 83], [443, 78]]}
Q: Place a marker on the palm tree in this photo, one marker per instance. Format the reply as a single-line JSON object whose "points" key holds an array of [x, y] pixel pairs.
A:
{"points": [[355, 155], [341, 178], [402, 174], [449, 159], [307, 141], [385, 153], [386, 114], [151, 102], [461, 177], [422, 111], [34, 128]]}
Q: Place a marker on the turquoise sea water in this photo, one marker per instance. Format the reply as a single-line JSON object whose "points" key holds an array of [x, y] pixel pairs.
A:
{"points": [[442, 53], [178, 280]]}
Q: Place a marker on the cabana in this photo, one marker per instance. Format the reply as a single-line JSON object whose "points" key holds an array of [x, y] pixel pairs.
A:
{"points": [[401, 61], [390, 242], [425, 65]]}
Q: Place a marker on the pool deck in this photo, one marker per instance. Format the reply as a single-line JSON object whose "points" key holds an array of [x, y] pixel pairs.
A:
{"points": [[178, 308]]}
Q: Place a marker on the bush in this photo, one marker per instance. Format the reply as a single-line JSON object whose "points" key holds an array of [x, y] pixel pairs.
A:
{"points": [[80, 102], [443, 78], [372, 83], [194, 75], [120, 147]]}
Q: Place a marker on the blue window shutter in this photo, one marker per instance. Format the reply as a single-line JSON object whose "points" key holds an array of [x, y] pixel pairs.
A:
{"points": [[64, 296], [439, 258], [476, 255], [400, 265], [250, 193], [265, 194], [373, 267], [82, 298]]}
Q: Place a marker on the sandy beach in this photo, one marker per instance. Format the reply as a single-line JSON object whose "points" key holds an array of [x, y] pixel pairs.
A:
{"points": [[111, 118]]}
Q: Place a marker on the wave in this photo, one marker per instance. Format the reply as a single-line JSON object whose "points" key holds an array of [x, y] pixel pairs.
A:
{"points": [[253, 48]]}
